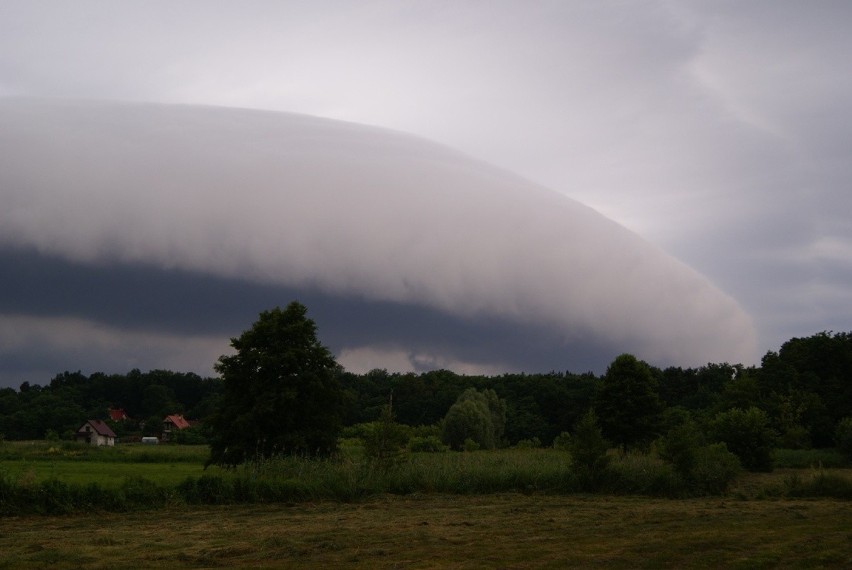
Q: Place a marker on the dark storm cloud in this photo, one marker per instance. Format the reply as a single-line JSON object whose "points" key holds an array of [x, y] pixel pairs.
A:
{"points": [[719, 131], [156, 300], [165, 220]]}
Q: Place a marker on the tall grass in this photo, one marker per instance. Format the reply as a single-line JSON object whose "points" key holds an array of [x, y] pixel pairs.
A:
{"points": [[818, 483], [351, 476], [805, 458], [54, 497], [348, 477]]}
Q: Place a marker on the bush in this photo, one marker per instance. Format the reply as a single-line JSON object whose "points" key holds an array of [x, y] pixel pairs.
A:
{"points": [[138, 492], [588, 451], [747, 434], [680, 446], [480, 416], [843, 436], [428, 444], [528, 443], [714, 470], [795, 437], [704, 469], [385, 440], [190, 436], [562, 442], [640, 473]]}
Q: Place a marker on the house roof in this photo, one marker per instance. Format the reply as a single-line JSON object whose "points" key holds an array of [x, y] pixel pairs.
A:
{"points": [[100, 428], [117, 414], [178, 421]]}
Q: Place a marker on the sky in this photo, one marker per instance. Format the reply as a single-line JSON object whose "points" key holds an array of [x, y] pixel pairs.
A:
{"points": [[487, 186]]}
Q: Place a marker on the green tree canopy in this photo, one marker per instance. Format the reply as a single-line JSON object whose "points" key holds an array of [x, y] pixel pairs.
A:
{"points": [[627, 404], [747, 434], [479, 416], [281, 392]]}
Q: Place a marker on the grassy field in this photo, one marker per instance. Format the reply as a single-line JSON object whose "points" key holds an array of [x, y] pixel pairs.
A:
{"points": [[77, 464], [47, 475], [107, 474], [443, 531], [444, 510], [124, 453]]}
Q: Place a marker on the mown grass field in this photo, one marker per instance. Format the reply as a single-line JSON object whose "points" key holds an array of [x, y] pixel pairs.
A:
{"points": [[444, 510], [446, 531]]}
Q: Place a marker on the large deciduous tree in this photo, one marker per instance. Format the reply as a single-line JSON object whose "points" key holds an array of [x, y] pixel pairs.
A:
{"points": [[281, 392], [628, 406]]}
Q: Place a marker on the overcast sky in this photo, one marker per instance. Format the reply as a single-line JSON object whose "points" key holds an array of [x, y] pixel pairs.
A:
{"points": [[717, 132]]}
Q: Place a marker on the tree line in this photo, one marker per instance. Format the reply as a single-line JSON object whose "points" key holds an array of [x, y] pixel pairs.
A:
{"points": [[70, 398], [284, 390]]}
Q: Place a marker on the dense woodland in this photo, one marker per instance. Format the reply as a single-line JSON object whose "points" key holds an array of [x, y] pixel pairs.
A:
{"points": [[804, 389]]}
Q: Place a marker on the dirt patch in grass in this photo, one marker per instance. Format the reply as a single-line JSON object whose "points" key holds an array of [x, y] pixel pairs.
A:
{"points": [[505, 531]]}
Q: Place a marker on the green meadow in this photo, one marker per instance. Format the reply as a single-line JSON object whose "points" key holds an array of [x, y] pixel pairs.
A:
{"points": [[77, 464], [65, 477], [70, 506]]}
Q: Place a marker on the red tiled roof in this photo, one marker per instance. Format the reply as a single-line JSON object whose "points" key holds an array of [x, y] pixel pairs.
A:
{"points": [[100, 428], [117, 414], [177, 420]]}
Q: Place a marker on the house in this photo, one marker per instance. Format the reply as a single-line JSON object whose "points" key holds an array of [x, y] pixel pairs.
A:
{"points": [[117, 414], [95, 432], [175, 422]]}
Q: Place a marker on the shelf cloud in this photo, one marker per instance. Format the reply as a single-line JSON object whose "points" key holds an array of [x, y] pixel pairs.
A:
{"points": [[166, 227]]}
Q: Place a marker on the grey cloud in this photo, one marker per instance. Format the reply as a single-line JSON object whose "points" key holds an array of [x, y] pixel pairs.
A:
{"points": [[34, 349], [154, 302], [718, 131], [286, 204]]}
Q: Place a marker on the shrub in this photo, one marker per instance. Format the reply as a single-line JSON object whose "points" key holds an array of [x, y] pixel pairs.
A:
{"points": [[480, 416], [680, 447], [588, 450], [385, 440], [190, 436], [704, 469], [429, 444], [843, 436], [640, 473], [528, 443], [53, 497], [795, 437], [714, 469], [562, 441], [747, 434], [140, 493]]}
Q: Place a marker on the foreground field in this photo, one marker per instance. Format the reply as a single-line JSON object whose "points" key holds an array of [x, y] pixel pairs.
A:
{"points": [[430, 531]]}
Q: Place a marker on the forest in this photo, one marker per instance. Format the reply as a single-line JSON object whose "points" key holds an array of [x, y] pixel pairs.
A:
{"points": [[799, 394]]}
